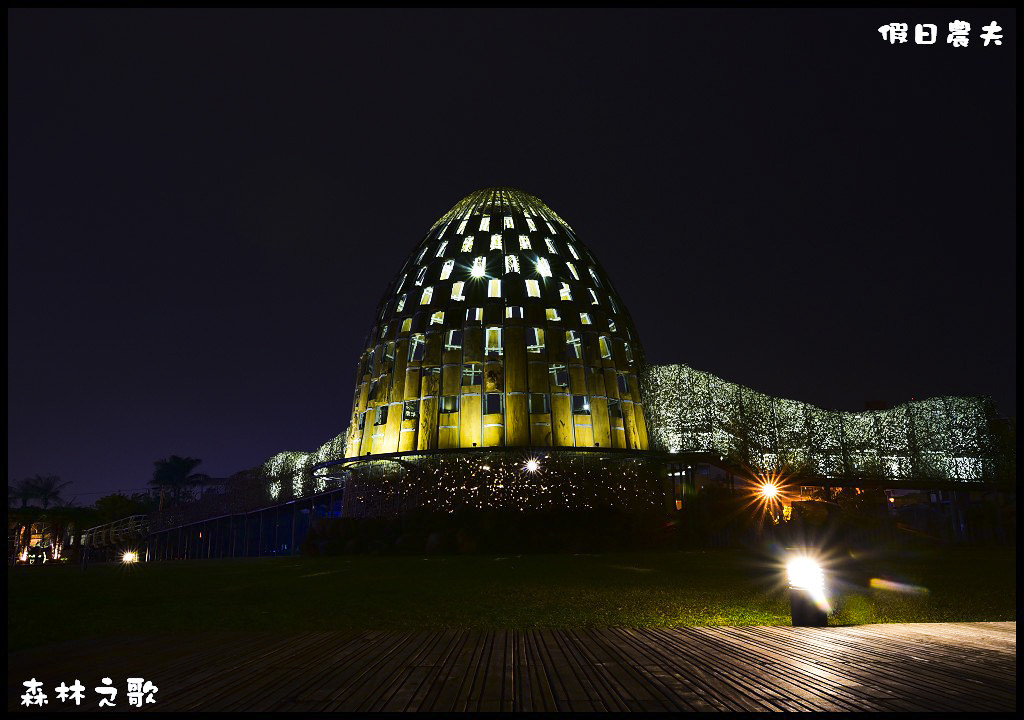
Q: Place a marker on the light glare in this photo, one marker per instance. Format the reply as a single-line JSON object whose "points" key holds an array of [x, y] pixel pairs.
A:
{"points": [[129, 557]]}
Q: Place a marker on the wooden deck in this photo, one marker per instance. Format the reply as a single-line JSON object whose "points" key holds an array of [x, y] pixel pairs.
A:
{"points": [[921, 667]]}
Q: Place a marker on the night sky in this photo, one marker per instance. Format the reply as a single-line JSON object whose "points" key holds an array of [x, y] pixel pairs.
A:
{"points": [[206, 206]]}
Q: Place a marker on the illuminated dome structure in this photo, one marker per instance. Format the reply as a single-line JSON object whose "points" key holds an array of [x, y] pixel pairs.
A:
{"points": [[501, 330]]}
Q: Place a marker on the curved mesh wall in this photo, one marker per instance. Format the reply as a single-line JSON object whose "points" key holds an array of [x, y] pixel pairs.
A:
{"points": [[501, 330]]}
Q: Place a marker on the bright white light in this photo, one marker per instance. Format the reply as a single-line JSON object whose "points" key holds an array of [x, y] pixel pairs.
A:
{"points": [[532, 465], [805, 573], [479, 267], [543, 267], [769, 491], [129, 557]]}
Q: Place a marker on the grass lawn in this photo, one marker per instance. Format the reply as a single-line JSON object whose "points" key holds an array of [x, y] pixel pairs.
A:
{"points": [[53, 603]]}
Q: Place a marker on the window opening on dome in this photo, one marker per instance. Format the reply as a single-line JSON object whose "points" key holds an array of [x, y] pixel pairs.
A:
{"points": [[471, 375], [437, 318], [550, 244], [428, 292], [511, 264], [462, 227], [629, 353], [623, 384], [380, 416], [485, 223], [362, 419], [467, 244], [453, 340], [446, 269], [407, 324], [529, 224], [572, 251], [457, 290], [540, 403], [559, 375], [543, 267], [551, 229], [421, 275], [493, 346], [416, 344], [474, 315], [524, 242], [553, 315], [383, 330], [371, 393], [535, 340], [411, 410], [508, 222], [400, 283], [419, 258], [493, 403], [611, 323], [494, 288], [573, 345], [606, 347], [572, 270], [496, 242], [401, 303], [564, 292], [449, 403], [614, 408], [440, 248], [580, 405], [585, 318], [532, 288], [597, 280], [479, 268], [593, 295], [611, 301]]}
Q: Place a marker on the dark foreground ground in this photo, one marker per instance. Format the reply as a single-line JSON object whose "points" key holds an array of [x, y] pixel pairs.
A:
{"points": [[55, 604], [889, 668]]}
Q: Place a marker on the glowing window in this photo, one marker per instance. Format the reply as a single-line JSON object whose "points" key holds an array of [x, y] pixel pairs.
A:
{"points": [[532, 288], [428, 292], [529, 224], [457, 290], [572, 269], [508, 222], [411, 410], [549, 227], [524, 242], [551, 245], [400, 284], [471, 375], [606, 347], [485, 223], [535, 340], [474, 315], [540, 403], [511, 264], [446, 269], [493, 346], [559, 375], [580, 405], [597, 280], [514, 312], [593, 296], [564, 292], [440, 248], [401, 303], [573, 345], [494, 288], [572, 251], [553, 315], [421, 276], [479, 267], [453, 340], [407, 324], [362, 419], [383, 331], [611, 323], [416, 343], [493, 404], [467, 244], [496, 242], [629, 353], [380, 416], [611, 301], [449, 403], [437, 318], [420, 257], [543, 267], [585, 318], [462, 227]]}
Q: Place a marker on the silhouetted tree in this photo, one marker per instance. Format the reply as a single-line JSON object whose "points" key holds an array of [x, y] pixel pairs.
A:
{"points": [[175, 474]]}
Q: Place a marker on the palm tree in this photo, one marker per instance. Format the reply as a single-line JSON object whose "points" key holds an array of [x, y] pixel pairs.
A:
{"points": [[48, 489], [23, 491], [176, 474]]}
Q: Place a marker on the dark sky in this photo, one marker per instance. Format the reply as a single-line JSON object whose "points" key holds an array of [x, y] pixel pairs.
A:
{"points": [[206, 206]]}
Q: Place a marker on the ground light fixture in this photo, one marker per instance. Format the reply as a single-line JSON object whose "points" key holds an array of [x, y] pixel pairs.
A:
{"points": [[129, 557], [532, 465], [808, 605]]}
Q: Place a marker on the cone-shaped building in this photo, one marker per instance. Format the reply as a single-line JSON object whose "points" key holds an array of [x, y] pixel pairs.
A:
{"points": [[501, 330]]}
